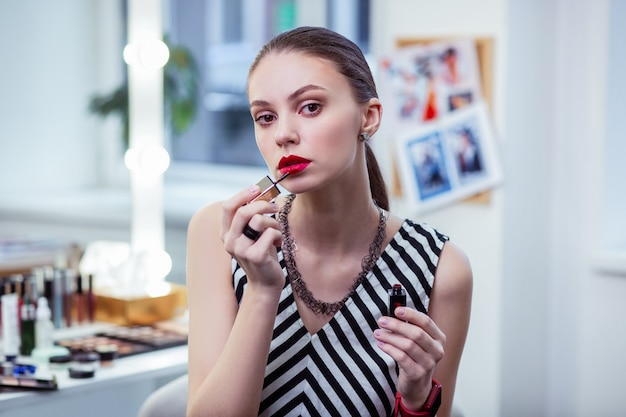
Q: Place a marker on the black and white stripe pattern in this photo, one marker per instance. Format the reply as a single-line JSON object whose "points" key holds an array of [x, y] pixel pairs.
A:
{"points": [[340, 371]]}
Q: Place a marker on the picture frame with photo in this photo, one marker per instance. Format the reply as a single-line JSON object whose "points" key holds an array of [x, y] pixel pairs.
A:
{"points": [[448, 160], [424, 82]]}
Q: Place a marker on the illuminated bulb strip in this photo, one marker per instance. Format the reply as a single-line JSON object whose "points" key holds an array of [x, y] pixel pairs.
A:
{"points": [[150, 160], [150, 54]]}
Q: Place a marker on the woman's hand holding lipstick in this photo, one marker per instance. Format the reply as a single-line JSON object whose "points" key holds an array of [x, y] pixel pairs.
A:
{"points": [[251, 236]]}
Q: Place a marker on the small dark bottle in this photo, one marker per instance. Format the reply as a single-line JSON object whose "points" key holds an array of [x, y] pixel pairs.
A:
{"points": [[27, 328], [91, 300], [79, 300], [397, 298]]}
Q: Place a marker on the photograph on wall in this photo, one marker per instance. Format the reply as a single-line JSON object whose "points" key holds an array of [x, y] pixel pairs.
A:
{"points": [[424, 82], [428, 165], [450, 159]]}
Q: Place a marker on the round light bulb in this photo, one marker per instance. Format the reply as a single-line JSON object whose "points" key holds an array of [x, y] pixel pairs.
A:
{"points": [[153, 54], [154, 160], [131, 159]]}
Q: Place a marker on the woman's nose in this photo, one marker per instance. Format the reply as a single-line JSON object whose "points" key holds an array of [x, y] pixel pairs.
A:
{"points": [[286, 132]]}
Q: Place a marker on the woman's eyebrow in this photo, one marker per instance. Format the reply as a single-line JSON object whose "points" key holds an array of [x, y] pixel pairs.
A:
{"points": [[303, 90], [293, 96]]}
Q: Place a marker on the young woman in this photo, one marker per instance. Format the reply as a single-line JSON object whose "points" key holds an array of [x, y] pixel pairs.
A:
{"points": [[288, 299]]}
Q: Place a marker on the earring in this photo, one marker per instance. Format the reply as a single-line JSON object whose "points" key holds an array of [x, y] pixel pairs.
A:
{"points": [[364, 136]]}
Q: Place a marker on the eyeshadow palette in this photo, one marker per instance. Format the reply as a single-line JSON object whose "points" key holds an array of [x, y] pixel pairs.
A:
{"points": [[129, 340]]}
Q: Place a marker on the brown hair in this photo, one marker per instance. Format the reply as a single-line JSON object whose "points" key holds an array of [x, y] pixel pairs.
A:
{"points": [[349, 59]]}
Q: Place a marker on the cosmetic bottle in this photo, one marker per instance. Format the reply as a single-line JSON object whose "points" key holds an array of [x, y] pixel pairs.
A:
{"points": [[91, 300], [68, 293], [27, 328], [57, 299], [46, 353], [44, 326], [31, 286], [17, 281], [10, 324], [79, 300]]}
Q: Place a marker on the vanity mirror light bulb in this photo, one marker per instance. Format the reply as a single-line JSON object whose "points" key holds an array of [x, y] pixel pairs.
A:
{"points": [[150, 160], [151, 54]]}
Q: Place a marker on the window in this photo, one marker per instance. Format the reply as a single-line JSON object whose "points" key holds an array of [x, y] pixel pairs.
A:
{"points": [[224, 36]]}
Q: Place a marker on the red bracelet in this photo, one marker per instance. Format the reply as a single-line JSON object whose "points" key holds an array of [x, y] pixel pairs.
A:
{"points": [[430, 407]]}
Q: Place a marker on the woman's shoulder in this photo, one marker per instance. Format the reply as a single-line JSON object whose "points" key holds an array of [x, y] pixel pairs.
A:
{"points": [[411, 229], [208, 215], [204, 232]]}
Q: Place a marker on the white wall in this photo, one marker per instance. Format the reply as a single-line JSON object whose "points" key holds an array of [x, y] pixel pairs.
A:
{"points": [[477, 229], [47, 70], [51, 65], [546, 335], [562, 333]]}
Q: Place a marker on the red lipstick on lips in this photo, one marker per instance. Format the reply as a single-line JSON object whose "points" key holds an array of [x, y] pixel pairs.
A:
{"points": [[292, 164]]}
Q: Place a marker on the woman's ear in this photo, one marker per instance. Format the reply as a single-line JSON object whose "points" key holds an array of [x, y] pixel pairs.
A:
{"points": [[372, 115]]}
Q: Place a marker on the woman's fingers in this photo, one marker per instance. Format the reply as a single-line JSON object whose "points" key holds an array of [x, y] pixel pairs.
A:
{"points": [[413, 340], [233, 204]]}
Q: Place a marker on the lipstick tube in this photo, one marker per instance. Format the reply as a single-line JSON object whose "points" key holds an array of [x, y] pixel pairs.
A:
{"points": [[397, 298], [270, 190]]}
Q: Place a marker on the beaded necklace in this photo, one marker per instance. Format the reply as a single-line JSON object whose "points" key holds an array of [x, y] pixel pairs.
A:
{"points": [[299, 286]]}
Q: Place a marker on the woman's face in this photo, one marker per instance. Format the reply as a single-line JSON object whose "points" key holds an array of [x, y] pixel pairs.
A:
{"points": [[306, 120]]}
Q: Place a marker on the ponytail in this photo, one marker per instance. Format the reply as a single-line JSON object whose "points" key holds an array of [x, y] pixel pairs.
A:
{"points": [[377, 182]]}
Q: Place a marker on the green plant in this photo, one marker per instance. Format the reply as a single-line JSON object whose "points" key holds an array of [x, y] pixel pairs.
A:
{"points": [[180, 94]]}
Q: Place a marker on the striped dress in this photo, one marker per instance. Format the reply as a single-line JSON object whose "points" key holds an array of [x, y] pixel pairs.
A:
{"points": [[339, 371]]}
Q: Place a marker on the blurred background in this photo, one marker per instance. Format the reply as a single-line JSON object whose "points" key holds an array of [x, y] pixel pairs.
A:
{"points": [[548, 246]]}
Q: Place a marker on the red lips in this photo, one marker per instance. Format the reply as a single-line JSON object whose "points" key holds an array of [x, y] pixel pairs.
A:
{"points": [[292, 164]]}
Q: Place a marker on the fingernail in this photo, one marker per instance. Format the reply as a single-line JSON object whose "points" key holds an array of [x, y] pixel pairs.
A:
{"points": [[383, 321], [400, 312], [254, 189], [274, 205]]}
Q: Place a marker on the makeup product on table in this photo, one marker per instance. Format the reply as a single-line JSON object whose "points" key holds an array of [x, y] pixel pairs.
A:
{"points": [[60, 361], [27, 327], [57, 299], [397, 298], [79, 300], [10, 325], [108, 353], [124, 341], [84, 365], [270, 191], [91, 300], [68, 294], [43, 326], [48, 289], [29, 382]]}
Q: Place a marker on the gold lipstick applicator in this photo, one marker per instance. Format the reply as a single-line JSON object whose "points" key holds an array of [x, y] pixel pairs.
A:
{"points": [[270, 191]]}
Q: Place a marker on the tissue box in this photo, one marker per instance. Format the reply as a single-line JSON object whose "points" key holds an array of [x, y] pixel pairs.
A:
{"points": [[142, 310]]}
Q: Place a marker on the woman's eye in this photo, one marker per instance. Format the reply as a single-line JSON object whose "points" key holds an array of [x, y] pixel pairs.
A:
{"points": [[311, 108], [264, 119]]}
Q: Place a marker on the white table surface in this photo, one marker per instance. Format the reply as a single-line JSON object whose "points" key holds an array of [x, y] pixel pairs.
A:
{"points": [[134, 376]]}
